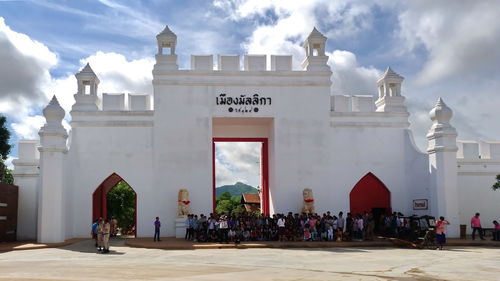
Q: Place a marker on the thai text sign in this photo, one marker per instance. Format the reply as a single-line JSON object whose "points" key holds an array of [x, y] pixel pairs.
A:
{"points": [[420, 204], [243, 103]]}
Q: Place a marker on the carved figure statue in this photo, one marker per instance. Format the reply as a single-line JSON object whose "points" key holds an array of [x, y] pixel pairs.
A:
{"points": [[183, 208], [308, 206]]}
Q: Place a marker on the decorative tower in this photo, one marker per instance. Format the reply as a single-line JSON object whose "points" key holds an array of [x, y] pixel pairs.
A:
{"points": [[166, 39], [442, 152], [86, 97], [314, 45], [51, 198], [389, 93]]}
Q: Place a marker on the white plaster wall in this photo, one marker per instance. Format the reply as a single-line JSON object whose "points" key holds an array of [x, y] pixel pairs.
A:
{"points": [[27, 207], [387, 153], [475, 195], [183, 149], [96, 153]]}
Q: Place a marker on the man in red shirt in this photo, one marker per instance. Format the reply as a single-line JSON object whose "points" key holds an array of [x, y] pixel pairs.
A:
{"points": [[475, 223]]}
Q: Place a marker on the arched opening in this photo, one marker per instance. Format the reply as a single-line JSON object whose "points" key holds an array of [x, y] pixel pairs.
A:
{"points": [[370, 195], [115, 197]]}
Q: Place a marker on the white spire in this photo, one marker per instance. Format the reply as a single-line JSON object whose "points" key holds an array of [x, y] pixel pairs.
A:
{"points": [[166, 39]]}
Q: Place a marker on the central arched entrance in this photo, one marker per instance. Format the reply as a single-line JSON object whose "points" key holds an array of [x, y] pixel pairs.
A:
{"points": [[370, 195], [100, 200]]}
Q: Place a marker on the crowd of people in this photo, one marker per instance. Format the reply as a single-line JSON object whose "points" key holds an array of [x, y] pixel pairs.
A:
{"points": [[292, 227]]}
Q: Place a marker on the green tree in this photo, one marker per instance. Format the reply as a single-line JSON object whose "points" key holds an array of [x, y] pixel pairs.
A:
{"points": [[120, 203], [497, 184], [5, 173], [228, 204], [4, 138]]}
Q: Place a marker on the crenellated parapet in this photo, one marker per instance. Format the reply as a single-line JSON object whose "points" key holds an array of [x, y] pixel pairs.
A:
{"points": [[388, 110], [358, 111], [478, 158], [246, 70], [26, 165]]}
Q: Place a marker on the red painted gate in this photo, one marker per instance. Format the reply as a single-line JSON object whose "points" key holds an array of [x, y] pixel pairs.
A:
{"points": [[99, 208], [369, 193]]}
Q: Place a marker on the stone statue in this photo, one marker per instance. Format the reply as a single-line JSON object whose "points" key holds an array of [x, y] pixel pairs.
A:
{"points": [[183, 208], [308, 206]]}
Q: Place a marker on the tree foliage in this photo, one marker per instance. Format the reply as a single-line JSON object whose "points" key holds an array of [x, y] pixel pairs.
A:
{"points": [[5, 173], [120, 203], [4, 138], [497, 184], [227, 204]]}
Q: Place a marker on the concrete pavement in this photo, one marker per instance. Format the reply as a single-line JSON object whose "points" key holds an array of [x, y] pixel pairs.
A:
{"points": [[81, 262]]}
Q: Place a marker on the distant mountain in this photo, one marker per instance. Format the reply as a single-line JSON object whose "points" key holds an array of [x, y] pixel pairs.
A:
{"points": [[236, 189]]}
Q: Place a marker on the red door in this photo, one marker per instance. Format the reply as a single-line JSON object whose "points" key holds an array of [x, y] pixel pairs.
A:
{"points": [[369, 193], [99, 208]]}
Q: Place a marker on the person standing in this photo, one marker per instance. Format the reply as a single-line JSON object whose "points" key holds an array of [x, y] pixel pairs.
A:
{"points": [[187, 224], [106, 229], [223, 227], [441, 232], [157, 225], [94, 232], [100, 229], [281, 228], [475, 223], [496, 231], [340, 222]]}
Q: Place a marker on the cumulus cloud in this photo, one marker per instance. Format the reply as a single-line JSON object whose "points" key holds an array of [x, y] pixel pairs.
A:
{"points": [[237, 161], [294, 20], [23, 71], [26, 84], [349, 77], [461, 37]]}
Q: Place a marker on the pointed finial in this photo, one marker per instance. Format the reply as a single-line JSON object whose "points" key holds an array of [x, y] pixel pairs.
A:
{"points": [[316, 33], [166, 32], [389, 73], [441, 113], [54, 101], [53, 111]]}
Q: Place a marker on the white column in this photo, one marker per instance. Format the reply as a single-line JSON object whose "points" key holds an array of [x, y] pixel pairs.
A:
{"points": [[442, 150], [51, 212]]}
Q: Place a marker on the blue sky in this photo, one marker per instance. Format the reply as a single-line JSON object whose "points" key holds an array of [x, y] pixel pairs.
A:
{"points": [[443, 48]]}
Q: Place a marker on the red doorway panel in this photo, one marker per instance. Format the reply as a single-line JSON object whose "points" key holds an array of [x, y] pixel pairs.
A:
{"points": [[99, 202], [369, 193]]}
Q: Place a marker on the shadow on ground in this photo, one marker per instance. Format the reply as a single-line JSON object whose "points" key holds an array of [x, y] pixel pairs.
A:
{"points": [[88, 246]]}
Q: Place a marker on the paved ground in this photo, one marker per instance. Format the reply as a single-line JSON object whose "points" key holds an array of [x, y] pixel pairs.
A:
{"points": [[80, 262]]}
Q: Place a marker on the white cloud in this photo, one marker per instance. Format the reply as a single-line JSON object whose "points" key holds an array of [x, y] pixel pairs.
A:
{"points": [[24, 69], [26, 85], [238, 161], [8, 162], [118, 75], [349, 77], [461, 37], [28, 127]]}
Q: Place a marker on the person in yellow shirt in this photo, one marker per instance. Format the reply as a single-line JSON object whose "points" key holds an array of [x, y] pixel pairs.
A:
{"points": [[106, 229], [100, 227]]}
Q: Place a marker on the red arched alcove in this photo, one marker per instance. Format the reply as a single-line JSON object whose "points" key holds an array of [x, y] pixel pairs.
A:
{"points": [[369, 193], [99, 208]]}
